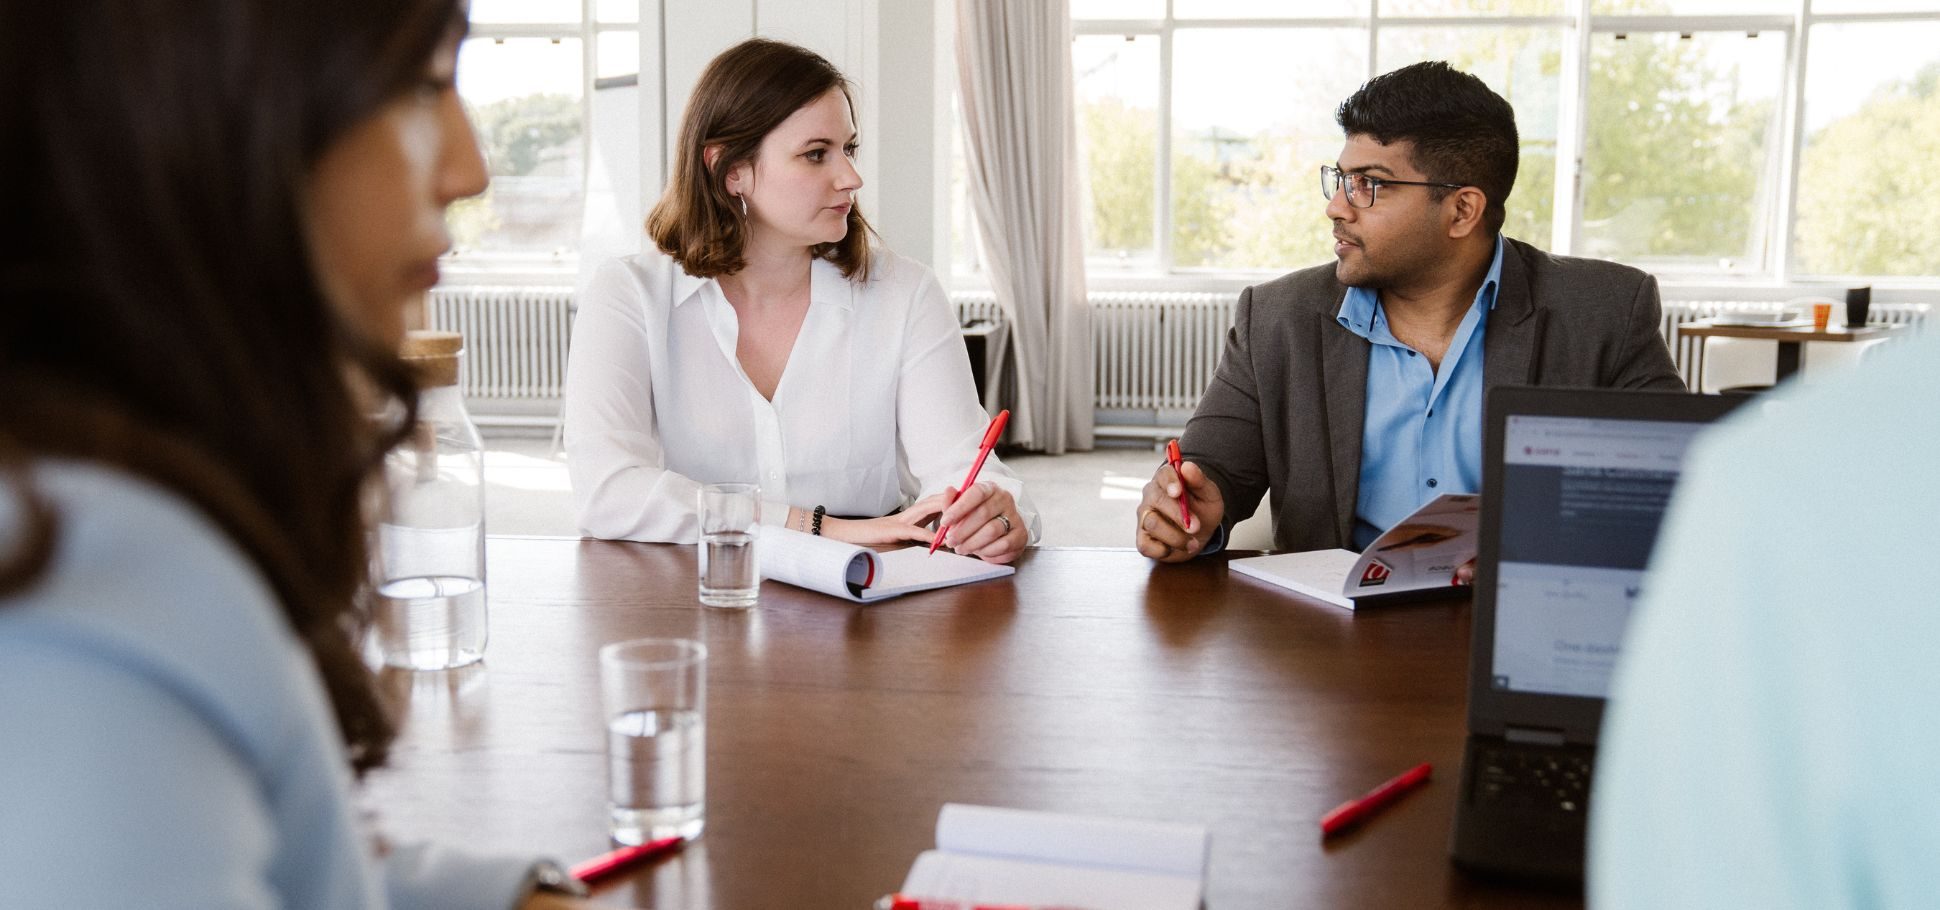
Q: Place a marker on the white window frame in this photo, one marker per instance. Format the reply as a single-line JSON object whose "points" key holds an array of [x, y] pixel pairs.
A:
{"points": [[1578, 25], [542, 268]]}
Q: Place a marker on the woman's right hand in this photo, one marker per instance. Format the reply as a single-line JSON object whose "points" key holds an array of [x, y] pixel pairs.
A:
{"points": [[903, 527]]}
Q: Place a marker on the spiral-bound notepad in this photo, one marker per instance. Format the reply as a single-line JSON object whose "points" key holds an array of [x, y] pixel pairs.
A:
{"points": [[860, 574]]}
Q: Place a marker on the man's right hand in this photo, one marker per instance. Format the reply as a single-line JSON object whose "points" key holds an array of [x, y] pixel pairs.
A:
{"points": [[1160, 535]]}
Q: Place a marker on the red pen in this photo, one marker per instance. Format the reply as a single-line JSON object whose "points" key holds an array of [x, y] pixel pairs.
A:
{"points": [[983, 452], [1352, 812], [607, 865], [906, 902], [1172, 455]]}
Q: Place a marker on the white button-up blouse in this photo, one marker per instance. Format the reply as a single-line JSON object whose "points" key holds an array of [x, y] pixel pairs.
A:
{"points": [[874, 409]]}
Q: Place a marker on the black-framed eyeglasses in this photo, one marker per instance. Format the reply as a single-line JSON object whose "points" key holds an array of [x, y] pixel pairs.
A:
{"points": [[1361, 188]]}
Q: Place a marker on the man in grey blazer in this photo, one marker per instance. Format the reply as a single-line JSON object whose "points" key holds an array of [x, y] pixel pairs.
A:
{"points": [[1352, 392]]}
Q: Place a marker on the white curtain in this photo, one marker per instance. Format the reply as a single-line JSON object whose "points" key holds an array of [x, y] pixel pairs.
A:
{"points": [[1020, 132]]}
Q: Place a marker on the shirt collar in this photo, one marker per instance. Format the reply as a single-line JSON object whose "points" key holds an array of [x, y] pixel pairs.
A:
{"points": [[687, 287], [826, 284], [1359, 307], [1492, 283]]}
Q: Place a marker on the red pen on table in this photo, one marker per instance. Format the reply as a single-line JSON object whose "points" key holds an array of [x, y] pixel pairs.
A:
{"points": [[983, 452], [607, 865], [1172, 455], [1352, 812]]}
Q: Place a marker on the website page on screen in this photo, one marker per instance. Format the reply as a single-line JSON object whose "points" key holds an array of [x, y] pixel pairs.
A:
{"points": [[1581, 505]]}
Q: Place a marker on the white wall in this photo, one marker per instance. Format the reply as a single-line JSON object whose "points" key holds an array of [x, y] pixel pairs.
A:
{"points": [[886, 47]]}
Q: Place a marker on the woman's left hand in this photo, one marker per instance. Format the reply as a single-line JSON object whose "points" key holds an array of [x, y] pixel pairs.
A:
{"points": [[984, 522]]}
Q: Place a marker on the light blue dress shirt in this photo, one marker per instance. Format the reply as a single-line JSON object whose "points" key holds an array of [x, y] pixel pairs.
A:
{"points": [[165, 740], [1423, 430], [1772, 738]]}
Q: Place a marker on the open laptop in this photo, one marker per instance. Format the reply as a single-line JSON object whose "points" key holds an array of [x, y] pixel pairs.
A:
{"points": [[1575, 482]]}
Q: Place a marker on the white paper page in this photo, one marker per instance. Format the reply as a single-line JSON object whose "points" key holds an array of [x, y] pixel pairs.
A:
{"points": [[916, 569], [961, 877], [809, 561], [1074, 840], [1319, 574], [1423, 550]]}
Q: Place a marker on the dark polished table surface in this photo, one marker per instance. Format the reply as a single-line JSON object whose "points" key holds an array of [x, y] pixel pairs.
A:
{"points": [[1092, 682]]}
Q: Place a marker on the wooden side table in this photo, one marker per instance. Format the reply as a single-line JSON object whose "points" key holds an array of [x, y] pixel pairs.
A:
{"points": [[1791, 341]]}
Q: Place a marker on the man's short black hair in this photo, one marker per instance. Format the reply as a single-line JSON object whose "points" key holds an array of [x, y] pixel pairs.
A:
{"points": [[1462, 132]]}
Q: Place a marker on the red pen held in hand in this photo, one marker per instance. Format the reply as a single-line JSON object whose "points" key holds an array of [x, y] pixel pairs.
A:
{"points": [[983, 452], [607, 865], [1172, 455], [1352, 812]]}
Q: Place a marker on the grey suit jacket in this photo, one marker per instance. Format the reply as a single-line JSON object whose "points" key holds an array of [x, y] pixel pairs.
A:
{"points": [[1285, 410]]}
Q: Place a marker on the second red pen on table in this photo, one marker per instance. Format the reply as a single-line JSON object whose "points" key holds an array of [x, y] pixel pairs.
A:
{"points": [[1354, 811]]}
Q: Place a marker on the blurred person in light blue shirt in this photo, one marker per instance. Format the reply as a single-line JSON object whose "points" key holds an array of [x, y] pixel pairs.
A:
{"points": [[1772, 732], [216, 214]]}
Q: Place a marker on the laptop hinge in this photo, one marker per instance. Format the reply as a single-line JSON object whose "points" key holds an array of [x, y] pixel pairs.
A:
{"points": [[1534, 737]]}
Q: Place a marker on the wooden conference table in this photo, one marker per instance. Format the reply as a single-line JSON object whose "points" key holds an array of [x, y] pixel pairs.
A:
{"points": [[1090, 682]]}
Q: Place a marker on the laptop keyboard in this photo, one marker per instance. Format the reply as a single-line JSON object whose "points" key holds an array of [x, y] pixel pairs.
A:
{"points": [[1544, 779]]}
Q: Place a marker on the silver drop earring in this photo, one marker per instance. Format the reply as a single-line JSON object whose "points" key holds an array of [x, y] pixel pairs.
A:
{"points": [[744, 205]]}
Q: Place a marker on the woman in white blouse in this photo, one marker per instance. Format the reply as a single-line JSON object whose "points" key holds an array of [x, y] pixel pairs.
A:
{"points": [[766, 342]]}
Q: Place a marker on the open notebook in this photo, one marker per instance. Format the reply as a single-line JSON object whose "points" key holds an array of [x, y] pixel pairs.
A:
{"points": [[1414, 560], [1012, 856], [860, 574]]}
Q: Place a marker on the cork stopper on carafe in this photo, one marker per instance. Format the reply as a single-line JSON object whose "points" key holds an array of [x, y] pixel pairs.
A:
{"points": [[433, 355]]}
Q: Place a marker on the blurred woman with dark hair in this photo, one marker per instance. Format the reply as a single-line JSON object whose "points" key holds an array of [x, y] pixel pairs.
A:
{"points": [[766, 342], [213, 216]]}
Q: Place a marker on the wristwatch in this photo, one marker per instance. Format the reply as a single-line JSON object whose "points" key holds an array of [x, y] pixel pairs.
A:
{"points": [[548, 877]]}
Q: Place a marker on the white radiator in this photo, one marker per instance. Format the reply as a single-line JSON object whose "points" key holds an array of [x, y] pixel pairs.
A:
{"points": [[1154, 353], [514, 369], [977, 306], [1157, 351]]}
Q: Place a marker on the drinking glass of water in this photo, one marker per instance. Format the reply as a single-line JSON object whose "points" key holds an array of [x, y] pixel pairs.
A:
{"points": [[730, 522], [654, 695]]}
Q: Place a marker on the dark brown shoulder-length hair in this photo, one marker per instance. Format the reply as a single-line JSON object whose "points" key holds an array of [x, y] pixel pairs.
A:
{"points": [[159, 310], [742, 96]]}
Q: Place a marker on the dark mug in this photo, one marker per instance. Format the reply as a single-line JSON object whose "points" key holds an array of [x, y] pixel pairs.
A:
{"points": [[1859, 302]]}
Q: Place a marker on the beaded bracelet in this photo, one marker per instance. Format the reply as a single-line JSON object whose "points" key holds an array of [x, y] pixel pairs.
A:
{"points": [[816, 529]]}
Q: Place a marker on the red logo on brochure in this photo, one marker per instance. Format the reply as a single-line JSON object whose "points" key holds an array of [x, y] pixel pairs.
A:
{"points": [[1375, 574]]}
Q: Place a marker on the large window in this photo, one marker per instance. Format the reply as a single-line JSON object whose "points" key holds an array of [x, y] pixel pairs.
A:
{"points": [[1702, 139], [1677, 167], [526, 100], [524, 75], [1869, 175]]}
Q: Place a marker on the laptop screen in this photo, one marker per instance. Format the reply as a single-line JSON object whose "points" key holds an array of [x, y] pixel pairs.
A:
{"points": [[1581, 502]]}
